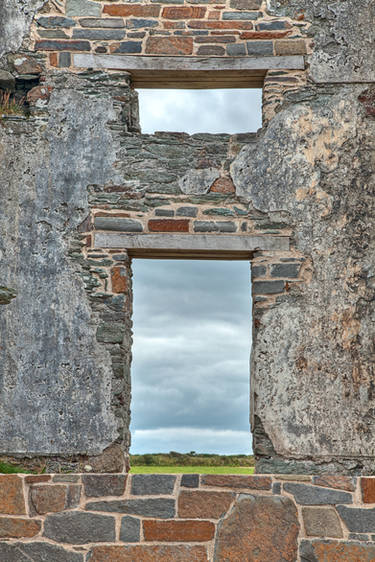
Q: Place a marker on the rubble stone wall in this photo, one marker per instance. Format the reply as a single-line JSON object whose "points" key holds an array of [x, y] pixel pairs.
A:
{"points": [[188, 517]]}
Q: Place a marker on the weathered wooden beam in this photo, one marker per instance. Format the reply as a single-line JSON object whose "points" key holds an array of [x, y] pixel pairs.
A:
{"points": [[192, 72], [199, 246]]}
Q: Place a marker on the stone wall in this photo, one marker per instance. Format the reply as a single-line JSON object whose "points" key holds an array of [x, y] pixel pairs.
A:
{"points": [[76, 169], [231, 28], [189, 517]]}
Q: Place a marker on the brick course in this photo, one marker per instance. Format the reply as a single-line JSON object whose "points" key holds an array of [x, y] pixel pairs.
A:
{"points": [[173, 30]]}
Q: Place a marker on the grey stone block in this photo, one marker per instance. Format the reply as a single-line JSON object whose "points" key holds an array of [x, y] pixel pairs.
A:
{"points": [[164, 212], [187, 212], [198, 181], [98, 485], [272, 25], [163, 508], [66, 478], [360, 537], [130, 529], [245, 4], [102, 22], [135, 23], [129, 47], [38, 552], [205, 226], [82, 8], [79, 528], [240, 15], [7, 82], [314, 495], [285, 270], [111, 332], [118, 224], [321, 522], [276, 488], [152, 484], [73, 496], [55, 21], [267, 287], [258, 48], [98, 34], [190, 481], [64, 60], [52, 34], [356, 519], [258, 271], [236, 50], [226, 226]]}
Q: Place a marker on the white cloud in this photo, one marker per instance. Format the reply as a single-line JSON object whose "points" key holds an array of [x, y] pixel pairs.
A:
{"points": [[201, 111]]}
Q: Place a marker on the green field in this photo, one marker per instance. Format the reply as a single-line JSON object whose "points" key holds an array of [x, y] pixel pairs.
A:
{"points": [[191, 470]]}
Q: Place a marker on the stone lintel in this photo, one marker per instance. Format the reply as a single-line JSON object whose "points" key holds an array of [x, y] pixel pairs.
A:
{"points": [[191, 72], [204, 246]]}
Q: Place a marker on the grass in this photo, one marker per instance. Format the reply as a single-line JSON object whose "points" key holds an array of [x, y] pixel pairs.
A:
{"points": [[6, 468], [191, 470], [9, 105]]}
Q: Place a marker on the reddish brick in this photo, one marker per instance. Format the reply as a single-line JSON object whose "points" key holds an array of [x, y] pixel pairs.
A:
{"points": [[119, 280], [368, 99], [169, 45], [173, 24], [338, 482], [47, 499], [223, 185], [155, 553], [178, 531], [168, 225], [264, 34], [53, 59], [214, 15], [237, 481], [14, 527], [137, 10], [12, 500], [290, 47], [37, 478], [204, 505], [183, 12], [232, 24], [335, 551], [368, 490]]}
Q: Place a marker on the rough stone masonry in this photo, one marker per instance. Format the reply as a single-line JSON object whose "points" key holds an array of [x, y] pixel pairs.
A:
{"points": [[78, 177]]}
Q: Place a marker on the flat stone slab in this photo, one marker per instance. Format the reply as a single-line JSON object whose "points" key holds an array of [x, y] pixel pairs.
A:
{"points": [[193, 72], [158, 245]]}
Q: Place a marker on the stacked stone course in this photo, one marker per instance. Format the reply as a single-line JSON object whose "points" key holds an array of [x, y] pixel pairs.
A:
{"points": [[182, 28], [189, 517]]}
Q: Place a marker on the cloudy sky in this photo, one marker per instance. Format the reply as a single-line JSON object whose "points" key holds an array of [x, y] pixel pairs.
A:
{"points": [[190, 372], [192, 319], [200, 111]]}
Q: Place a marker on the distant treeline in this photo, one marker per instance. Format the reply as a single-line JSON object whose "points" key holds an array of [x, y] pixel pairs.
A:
{"points": [[190, 459]]}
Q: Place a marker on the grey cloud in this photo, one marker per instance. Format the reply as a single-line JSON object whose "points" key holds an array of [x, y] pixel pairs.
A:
{"points": [[191, 367]]}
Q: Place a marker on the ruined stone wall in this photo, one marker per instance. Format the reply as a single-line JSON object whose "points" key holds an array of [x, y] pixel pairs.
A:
{"points": [[77, 167], [189, 517]]}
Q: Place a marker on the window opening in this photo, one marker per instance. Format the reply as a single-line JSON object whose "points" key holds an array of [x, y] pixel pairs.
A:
{"points": [[231, 110], [191, 348]]}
